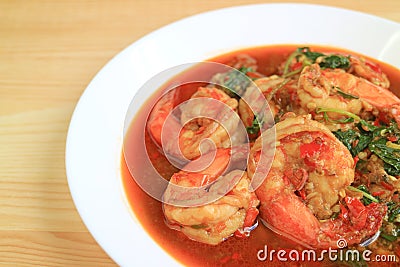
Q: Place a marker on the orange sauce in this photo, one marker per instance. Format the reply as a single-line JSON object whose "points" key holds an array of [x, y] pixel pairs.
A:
{"points": [[234, 251]]}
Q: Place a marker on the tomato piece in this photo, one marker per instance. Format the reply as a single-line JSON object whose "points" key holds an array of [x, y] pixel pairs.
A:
{"points": [[251, 215], [254, 75], [376, 122], [356, 159], [358, 212], [378, 193], [344, 213], [302, 194], [297, 65], [374, 67], [387, 186], [240, 234], [310, 149]]}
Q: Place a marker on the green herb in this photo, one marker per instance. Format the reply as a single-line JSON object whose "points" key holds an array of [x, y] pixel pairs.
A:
{"points": [[257, 122], [347, 138], [339, 111], [390, 169], [367, 197], [234, 82], [361, 166], [388, 237], [391, 156], [326, 61], [363, 142], [345, 95], [310, 55], [351, 137], [307, 57], [255, 127], [245, 70], [326, 117], [276, 89], [355, 141], [341, 121], [393, 210], [198, 226], [335, 215], [371, 136], [289, 60], [335, 61]]}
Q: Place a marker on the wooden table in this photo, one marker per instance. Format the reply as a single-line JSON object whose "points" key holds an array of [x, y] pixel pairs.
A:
{"points": [[49, 52]]}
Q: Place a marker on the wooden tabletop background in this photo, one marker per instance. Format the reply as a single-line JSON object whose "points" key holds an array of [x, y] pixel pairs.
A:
{"points": [[49, 52]]}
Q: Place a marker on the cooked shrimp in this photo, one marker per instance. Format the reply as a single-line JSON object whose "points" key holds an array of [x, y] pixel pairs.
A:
{"points": [[358, 66], [196, 130], [276, 90], [306, 187], [369, 71], [340, 90], [233, 213], [159, 114], [316, 89], [191, 132], [252, 94]]}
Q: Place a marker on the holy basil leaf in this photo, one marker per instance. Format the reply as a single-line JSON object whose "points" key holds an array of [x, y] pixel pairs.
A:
{"points": [[326, 61], [347, 138], [391, 169], [393, 210], [245, 70], [375, 138], [255, 127], [354, 141], [344, 94], [310, 55], [391, 156], [362, 144], [388, 237], [366, 200], [234, 82], [334, 62]]}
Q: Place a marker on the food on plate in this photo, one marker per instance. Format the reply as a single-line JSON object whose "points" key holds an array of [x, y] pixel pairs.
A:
{"points": [[335, 88], [304, 194], [335, 174], [194, 130], [234, 213]]}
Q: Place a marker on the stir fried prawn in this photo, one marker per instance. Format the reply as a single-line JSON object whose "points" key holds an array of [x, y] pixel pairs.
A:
{"points": [[336, 169], [305, 189], [233, 214]]}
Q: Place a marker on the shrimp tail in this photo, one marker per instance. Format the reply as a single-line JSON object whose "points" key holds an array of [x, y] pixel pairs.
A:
{"points": [[159, 114], [354, 224]]}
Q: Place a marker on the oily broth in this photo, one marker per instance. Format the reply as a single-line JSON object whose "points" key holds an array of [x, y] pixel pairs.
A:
{"points": [[234, 251]]}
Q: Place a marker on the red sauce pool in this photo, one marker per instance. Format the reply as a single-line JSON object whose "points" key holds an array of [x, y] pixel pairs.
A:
{"points": [[234, 251]]}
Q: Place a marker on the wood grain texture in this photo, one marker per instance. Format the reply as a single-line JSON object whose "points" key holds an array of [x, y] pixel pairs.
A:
{"points": [[49, 52]]}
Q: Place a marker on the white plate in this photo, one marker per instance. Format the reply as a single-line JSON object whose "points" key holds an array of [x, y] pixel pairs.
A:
{"points": [[93, 150]]}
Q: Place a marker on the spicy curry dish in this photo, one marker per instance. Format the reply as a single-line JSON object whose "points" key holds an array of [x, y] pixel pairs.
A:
{"points": [[334, 174]]}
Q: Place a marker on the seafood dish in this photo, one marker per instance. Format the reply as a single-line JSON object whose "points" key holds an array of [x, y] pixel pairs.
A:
{"points": [[290, 146]]}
